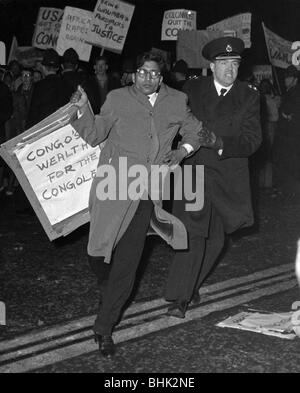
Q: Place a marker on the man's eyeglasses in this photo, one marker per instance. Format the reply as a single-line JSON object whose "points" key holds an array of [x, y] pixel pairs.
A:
{"points": [[142, 73]]}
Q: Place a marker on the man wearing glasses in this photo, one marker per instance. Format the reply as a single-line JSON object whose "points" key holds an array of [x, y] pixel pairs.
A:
{"points": [[139, 123], [229, 110]]}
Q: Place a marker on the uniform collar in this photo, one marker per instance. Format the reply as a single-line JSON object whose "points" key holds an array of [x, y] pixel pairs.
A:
{"points": [[218, 87]]}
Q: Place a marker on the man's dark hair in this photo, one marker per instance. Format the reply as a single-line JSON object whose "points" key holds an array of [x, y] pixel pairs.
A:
{"points": [[151, 56], [98, 58]]}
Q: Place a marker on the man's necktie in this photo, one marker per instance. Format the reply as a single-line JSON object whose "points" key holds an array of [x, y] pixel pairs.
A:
{"points": [[223, 92]]}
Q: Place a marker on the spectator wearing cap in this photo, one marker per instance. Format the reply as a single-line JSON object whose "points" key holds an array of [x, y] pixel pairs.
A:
{"points": [[230, 111], [180, 73], [98, 86], [287, 138], [70, 75], [49, 94]]}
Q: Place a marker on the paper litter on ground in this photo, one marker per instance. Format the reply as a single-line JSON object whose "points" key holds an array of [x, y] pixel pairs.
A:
{"points": [[272, 324]]}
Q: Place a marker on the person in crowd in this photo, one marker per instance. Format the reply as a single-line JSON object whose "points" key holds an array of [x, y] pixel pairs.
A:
{"points": [[127, 71], [100, 84], [50, 93], [229, 110], [37, 76], [287, 138], [6, 110], [270, 103], [8, 79], [180, 72], [137, 123], [15, 68], [70, 75], [16, 124]]}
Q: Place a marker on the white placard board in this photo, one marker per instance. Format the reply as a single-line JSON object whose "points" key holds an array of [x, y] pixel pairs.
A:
{"points": [[110, 24], [74, 32], [175, 20], [47, 28]]}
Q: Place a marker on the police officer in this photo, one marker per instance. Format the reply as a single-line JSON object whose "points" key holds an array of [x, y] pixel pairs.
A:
{"points": [[229, 110]]}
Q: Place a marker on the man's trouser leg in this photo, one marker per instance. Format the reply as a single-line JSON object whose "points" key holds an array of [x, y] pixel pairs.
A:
{"points": [[100, 269], [185, 270], [214, 246], [125, 261]]}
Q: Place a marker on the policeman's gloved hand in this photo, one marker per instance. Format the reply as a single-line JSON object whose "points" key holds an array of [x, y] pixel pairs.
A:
{"points": [[209, 139], [174, 157]]}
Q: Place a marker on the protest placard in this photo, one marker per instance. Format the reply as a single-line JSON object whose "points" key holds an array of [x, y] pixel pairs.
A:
{"points": [[261, 72], [55, 168], [47, 27], [190, 44], [74, 32], [241, 24], [110, 23], [279, 50], [176, 20]]}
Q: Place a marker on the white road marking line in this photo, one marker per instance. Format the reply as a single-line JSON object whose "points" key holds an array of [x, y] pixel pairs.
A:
{"points": [[143, 329], [85, 322]]}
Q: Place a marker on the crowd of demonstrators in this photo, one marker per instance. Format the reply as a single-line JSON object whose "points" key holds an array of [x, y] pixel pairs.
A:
{"points": [[287, 136], [139, 116]]}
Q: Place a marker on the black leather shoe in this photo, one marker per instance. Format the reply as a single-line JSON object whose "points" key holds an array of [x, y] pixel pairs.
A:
{"points": [[177, 309], [106, 345], [195, 298]]}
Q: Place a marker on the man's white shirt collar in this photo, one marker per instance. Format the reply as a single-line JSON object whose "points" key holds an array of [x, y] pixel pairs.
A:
{"points": [[152, 98], [218, 87]]}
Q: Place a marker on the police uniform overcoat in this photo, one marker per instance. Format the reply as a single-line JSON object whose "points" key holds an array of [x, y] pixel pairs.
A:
{"points": [[235, 118], [132, 128]]}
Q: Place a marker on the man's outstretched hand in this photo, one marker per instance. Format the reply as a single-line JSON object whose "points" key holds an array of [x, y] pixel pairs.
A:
{"points": [[79, 98]]}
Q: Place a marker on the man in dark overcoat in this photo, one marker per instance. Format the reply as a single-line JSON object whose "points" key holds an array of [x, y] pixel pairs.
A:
{"points": [[229, 110], [138, 124], [50, 93]]}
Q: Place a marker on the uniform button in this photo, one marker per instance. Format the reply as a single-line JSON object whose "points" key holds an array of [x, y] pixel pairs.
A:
{"points": [[148, 159], [150, 136], [151, 113]]}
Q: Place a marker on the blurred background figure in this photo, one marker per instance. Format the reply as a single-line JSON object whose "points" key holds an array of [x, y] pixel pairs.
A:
{"points": [[270, 103], [6, 109], [70, 74], [8, 79], [37, 76], [16, 124], [179, 74], [50, 93], [127, 70], [15, 68], [98, 86], [287, 137]]}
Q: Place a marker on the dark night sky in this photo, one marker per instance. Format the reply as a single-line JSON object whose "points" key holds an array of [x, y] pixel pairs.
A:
{"points": [[17, 17]]}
